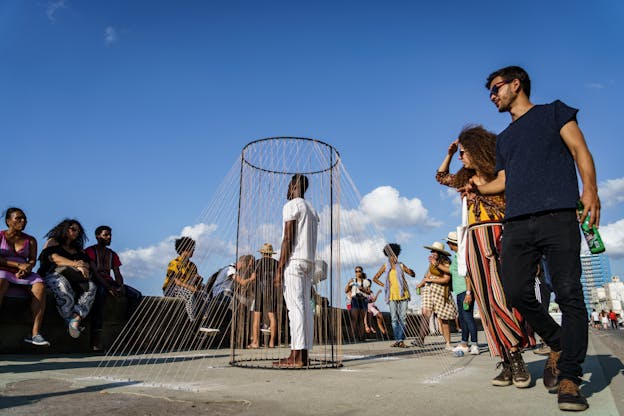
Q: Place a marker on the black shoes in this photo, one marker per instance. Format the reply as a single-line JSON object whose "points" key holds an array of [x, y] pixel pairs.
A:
{"points": [[551, 372], [504, 378], [570, 398], [520, 375]]}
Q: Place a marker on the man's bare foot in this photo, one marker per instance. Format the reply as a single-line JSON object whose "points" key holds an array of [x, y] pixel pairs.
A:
{"points": [[284, 362]]}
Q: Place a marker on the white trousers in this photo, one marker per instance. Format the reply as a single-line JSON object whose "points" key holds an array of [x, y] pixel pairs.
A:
{"points": [[297, 294]]}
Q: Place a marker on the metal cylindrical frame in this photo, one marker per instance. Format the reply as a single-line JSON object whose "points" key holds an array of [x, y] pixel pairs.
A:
{"points": [[327, 165]]}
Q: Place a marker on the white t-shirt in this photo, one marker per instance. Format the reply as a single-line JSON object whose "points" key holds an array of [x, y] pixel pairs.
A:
{"points": [[357, 289], [307, 228], [595, 316]]}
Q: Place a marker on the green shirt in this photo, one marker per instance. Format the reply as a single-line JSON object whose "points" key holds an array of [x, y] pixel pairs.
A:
{"points": [[459, 282]]}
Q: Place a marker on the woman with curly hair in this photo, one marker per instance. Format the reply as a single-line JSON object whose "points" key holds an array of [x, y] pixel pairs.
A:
{"points": [[67, 273], [503, 326]]}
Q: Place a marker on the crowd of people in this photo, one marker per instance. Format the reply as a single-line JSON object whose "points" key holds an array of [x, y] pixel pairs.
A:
{"points": [[521, 193], [79, 278]]}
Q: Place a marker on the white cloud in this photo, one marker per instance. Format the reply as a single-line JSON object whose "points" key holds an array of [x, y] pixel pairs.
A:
{"points": [[147, 262], [613, 238], [52, 7], [388, 209], [611, 191], [110, 35], [403, 237], [595, 85], [363, 252]]}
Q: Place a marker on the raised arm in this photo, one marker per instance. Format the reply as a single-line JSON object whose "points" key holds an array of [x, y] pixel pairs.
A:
{"points": [[575, 141], [442, 175], [378, 274], [408, 270]]}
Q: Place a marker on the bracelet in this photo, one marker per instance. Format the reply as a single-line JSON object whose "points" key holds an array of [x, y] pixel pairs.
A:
{"points": [[468, 292]]}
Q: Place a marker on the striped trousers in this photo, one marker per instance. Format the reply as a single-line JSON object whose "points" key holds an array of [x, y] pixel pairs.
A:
{"points": [[504, 326]]}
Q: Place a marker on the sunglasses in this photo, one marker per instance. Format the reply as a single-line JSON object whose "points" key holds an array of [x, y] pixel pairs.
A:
{"points": [[358, 271], [496, 87], [461, 153]]}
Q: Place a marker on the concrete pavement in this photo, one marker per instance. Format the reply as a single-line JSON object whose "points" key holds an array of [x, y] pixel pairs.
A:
{"points": [[404, 383]]}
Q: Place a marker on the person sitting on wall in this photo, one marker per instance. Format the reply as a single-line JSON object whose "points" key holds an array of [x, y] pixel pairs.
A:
{"points": [[106, 260]]}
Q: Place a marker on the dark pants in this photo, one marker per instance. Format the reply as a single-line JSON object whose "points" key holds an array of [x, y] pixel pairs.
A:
{"points": [[466, 319], [133, 296], [556, 236]]}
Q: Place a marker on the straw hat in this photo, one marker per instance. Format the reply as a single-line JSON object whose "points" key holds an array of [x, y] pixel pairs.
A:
{"points": [[267, 249], [452, 237], [439, 247]]}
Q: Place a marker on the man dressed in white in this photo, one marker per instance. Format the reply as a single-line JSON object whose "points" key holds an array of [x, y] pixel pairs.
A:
{"points": [[295, 270]]}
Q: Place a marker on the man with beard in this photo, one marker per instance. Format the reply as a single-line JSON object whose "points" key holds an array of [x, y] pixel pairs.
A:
{"points": [[106, 260], [535, 163]]}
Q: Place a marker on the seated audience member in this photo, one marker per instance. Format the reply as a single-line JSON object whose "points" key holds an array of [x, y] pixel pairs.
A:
{"points": [[18, 255], [183, 280], [106, 260], [221, 291], [67, 273]]}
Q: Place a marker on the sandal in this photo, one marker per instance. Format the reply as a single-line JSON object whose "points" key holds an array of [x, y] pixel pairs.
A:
{"points": [[401, 344]]}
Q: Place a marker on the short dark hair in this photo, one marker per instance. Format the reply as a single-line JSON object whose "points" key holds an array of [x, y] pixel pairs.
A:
{"points": [[392, 248], [509, 73], [183, 244], [101, 228], [301, 179], [10, 212]]}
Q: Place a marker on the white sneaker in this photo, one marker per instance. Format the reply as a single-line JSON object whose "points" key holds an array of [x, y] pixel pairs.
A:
{"points": [[474, 350], [462, 348], [210, 331]]}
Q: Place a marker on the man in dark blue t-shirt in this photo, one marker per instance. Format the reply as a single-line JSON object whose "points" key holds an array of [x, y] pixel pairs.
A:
{"points": [[535, 160]]}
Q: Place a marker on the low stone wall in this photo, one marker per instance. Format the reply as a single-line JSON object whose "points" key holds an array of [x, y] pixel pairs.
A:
{"points": [[143, 334]]}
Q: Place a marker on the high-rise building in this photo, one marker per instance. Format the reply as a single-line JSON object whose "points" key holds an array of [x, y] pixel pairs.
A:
{"points": [[596, 273]]}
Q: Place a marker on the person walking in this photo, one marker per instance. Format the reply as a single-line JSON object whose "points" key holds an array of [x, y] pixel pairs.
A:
{"points": [[535, 167], [465, 301]]}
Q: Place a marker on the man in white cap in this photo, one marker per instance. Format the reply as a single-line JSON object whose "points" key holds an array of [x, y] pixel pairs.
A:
{"points": [[465, 300]]}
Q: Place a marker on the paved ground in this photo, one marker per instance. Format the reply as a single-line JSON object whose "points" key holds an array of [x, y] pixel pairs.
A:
{"points": [[408, 383]]}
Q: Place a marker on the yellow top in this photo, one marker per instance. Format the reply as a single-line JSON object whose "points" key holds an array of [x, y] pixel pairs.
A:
{"points": [[484, 216], [395, 289], [180, 269]]}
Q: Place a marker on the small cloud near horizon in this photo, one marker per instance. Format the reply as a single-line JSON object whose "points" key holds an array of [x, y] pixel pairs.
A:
{"points": [[595, 85], [613, 238], [110, 35], [611, 191]]}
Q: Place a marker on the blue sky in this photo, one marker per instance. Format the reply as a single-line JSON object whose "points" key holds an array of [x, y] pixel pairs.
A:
{"points": [[132, 113]]}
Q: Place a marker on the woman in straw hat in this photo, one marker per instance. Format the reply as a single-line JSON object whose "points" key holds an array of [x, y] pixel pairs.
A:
{"points": [[503, 327], [264, 294], [436, 294]]}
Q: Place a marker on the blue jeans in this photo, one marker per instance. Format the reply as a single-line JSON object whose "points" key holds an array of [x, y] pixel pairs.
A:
{"points": [[556, 236], [466, 319], [398, 315]]}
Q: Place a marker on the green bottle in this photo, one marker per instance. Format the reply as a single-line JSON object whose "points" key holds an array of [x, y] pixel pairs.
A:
{"points": [[592, 236]]}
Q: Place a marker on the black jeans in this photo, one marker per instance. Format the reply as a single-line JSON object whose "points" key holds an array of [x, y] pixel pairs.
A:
{"points": [[556, 236]]}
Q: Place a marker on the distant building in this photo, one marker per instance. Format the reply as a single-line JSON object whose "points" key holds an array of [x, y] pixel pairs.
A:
{"points": [[614, 295], [596, 274]]}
